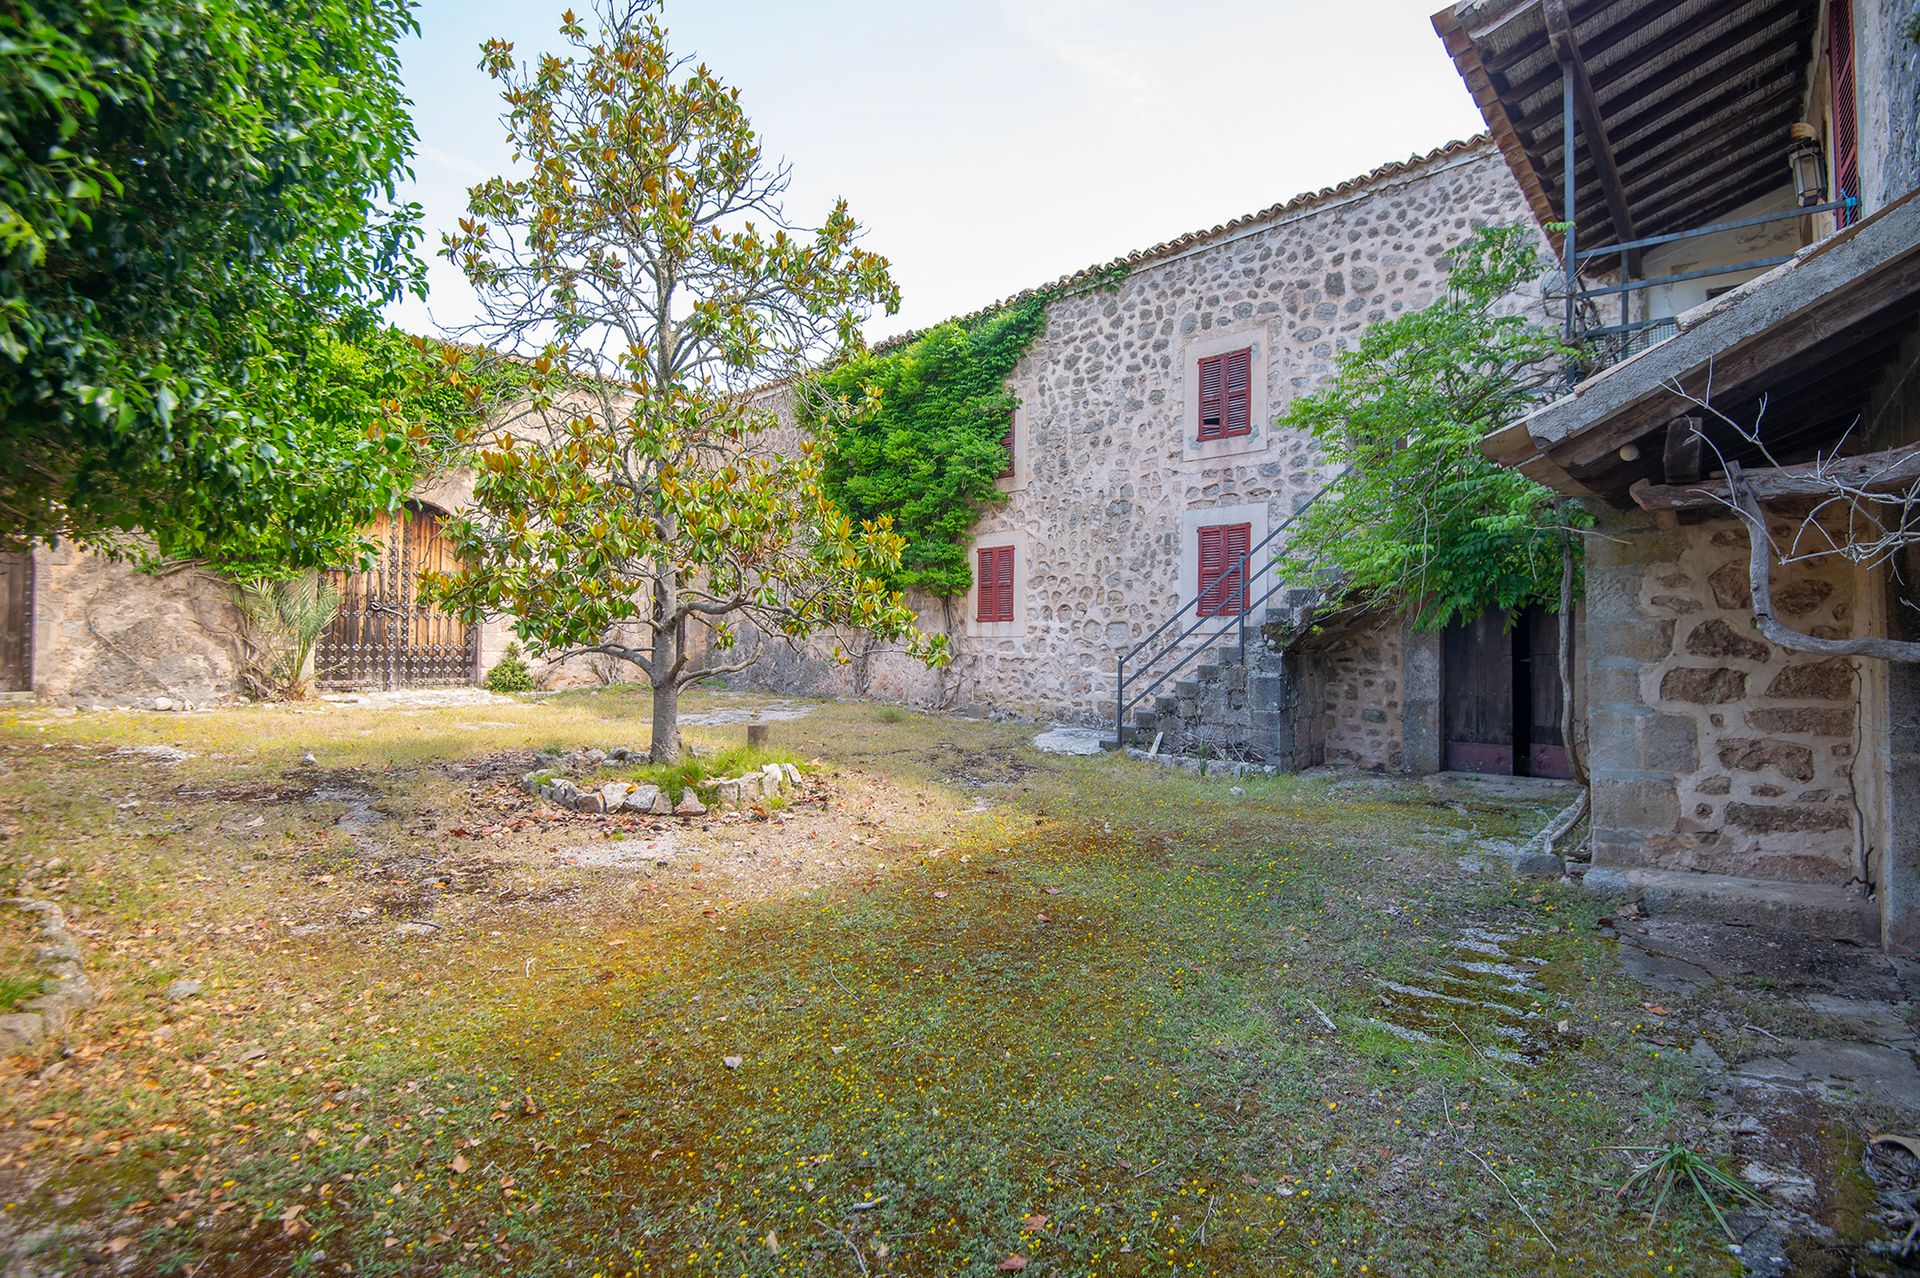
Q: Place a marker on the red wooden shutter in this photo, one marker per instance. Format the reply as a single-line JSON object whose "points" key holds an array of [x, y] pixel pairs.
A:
{"points": [[1846, 111], [1007, 443], [1222, 547], [1226, 394], [1236, 418], [995, 573], [1212, 420]]}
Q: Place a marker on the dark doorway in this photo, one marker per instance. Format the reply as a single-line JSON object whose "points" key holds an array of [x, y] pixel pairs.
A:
{"points": [[1500, 696], [16, 621], [384, 636]]}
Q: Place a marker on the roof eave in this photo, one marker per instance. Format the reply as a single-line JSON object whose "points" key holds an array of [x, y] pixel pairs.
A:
{"points": [[1728, 338]]}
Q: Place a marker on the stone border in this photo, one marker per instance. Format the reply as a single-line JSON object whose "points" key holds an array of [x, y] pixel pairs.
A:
{"points": [[730, 793], [70, 992]]}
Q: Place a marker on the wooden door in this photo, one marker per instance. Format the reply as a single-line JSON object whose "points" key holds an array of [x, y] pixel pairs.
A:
{"points": [[16, 621], [384, 636], [1476, 695], [1500, 695]]}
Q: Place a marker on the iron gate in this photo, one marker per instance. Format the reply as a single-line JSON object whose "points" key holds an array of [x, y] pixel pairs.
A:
{"points": [[384, 636]]}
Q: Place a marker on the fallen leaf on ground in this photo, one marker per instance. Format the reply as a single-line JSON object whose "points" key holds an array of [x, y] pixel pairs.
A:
{"points": [[459, 1164], [1013, 1264], [1036, 1222]]}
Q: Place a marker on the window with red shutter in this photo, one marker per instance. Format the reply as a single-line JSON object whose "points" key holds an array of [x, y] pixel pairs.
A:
{"points": [[995, 573], [1226, 394], [1846, 111], [1007, 442], [1222, 574]]}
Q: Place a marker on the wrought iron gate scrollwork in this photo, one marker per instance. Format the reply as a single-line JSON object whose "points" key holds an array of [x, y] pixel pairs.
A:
{"points": [[384, 636]]}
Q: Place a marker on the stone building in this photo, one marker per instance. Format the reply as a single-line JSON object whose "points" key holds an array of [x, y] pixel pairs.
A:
{"points": [[1135, 479], [1749, 755]]}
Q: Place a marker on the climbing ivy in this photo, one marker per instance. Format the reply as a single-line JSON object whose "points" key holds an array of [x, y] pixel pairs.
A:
{"points": [[924, 444]]}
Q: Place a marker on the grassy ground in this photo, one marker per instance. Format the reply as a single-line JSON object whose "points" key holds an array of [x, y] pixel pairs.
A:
{"points": [[960, 1007]]}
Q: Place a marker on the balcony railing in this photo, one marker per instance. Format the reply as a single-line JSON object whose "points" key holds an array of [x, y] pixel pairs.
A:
{"points": [[1604, 345]]}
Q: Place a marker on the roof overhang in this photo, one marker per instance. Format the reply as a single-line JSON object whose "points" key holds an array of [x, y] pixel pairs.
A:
{"points": [[1796, 353], [1683, 107]]}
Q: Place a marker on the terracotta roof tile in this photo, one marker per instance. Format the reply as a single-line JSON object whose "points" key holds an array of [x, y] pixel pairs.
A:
{"points": [[1179, 244]]}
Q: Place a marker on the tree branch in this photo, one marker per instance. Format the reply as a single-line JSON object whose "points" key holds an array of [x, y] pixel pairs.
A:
{"points": [[1759, 579]]}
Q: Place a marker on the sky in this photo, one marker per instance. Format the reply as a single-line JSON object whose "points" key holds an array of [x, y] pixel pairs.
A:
{"points": [[992, 145]]}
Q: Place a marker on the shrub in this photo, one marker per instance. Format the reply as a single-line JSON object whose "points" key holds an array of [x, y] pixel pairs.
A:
{"points": [[510, 673]]}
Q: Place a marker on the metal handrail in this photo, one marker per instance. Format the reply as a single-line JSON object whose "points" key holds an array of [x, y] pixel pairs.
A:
{"points": [[1242, 582]]}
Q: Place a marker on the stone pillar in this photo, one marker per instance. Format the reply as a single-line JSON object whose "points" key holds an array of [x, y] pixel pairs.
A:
{"points": [[1420, 675], [1635, 751]]}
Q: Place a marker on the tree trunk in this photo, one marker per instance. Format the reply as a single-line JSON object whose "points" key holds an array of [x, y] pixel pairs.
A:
{"points": [[1569, 719], [665, 746]]}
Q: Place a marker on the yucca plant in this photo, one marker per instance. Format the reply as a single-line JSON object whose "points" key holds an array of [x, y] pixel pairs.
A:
{"points": [[1676, 1166]]}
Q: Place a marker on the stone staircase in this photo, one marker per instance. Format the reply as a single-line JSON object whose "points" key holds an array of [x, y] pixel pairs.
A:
{"points": [[1230, 705]]}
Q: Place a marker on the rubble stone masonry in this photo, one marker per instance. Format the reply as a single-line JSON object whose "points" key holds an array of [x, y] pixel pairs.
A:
{"points": [[1714, 751], [1111, 483]]}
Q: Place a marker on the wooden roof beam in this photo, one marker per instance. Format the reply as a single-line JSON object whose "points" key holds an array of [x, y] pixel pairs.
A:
{"points": [[1586, 105], [1893, 471]]}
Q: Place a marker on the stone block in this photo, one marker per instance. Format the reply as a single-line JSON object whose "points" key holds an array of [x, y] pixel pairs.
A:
{"points": [[1788, 818], [1613, 682], [21, 1032], [1829, 680], [1815, 909], [1715, 638], [1634, 637], [1729, 582], [1795, 761], [1798, 598], [613, 795], [1822, 721], [1669, 743], [1703, 685], [646, 798], [1636, 803]]}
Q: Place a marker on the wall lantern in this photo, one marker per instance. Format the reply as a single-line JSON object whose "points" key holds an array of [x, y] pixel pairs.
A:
{"points": [[1809, 166]]}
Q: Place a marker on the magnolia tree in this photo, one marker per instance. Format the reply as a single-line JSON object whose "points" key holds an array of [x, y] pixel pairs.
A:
{"points": [[639, 500]]}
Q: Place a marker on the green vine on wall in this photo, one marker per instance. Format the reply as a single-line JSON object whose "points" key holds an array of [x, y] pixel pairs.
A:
{"points": [[925, 444]]}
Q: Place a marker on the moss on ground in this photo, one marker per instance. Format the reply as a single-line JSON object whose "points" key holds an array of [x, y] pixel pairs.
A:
{"points": [[1074, 1010]]}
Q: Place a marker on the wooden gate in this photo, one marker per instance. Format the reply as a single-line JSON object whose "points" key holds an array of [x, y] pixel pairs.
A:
{"points": [[1500, 696], [383, 636], [16, 622]]}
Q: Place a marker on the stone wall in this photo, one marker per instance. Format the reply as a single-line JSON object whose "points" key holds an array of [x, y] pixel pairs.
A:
{"points": [[1712, 750], [1110, 482], [1361, 703], [106, 634]]}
